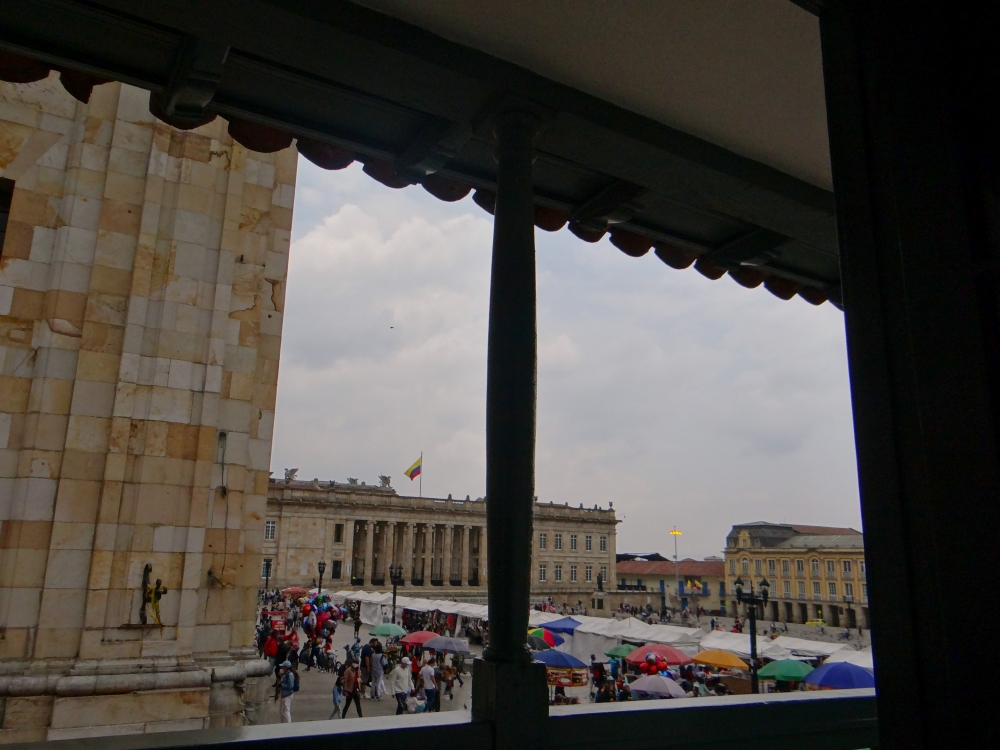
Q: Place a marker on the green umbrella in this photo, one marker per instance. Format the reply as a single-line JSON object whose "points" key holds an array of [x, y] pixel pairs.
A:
{"points": [[786, 670], [621, 650], [387, 630]]}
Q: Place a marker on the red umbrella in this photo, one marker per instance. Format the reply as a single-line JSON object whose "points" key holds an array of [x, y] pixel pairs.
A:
{"points": [[418, 638], [669, 654], [294, 591]]}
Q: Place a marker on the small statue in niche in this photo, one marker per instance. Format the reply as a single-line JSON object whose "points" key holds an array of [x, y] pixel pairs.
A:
{"points": [[151, 596]]}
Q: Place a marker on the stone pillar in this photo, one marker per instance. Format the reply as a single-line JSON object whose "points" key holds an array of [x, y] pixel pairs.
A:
{"points": [[390, 548], [446, 561], [483, 567], [348, 570], [466, 553], [369, 550], [408, 535]]}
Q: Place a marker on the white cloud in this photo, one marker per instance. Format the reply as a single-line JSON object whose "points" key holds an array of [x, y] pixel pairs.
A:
{"points": [[684, 401]]}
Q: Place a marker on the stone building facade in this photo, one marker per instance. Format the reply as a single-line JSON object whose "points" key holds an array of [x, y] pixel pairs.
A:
{"points": [[439, 545], [814, 572], [141, 295]]}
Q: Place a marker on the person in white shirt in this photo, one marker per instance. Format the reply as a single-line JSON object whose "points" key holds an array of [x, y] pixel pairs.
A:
{"points": [[430, 684], [401, 684]]}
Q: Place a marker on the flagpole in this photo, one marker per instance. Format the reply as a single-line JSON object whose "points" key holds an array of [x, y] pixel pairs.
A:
{"points": [[421, 473]]}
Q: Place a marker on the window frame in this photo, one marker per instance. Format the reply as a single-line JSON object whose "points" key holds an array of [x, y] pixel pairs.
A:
{"points": [[573, 574], [572, 542], [588, 543], [603, 547], [270, 530], [543, 540], [557, 573], [557, 542]]}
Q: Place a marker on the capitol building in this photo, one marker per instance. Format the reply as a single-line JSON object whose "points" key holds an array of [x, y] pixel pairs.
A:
{"points": [[360, 530]]}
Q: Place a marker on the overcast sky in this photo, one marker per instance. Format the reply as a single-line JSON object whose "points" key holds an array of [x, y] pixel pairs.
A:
{"points": [[683, 401]]}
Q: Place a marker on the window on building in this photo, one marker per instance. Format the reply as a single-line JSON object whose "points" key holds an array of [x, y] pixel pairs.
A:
{"points": [[572, 574], [802, 588], [784, 567], [732, 567], [814, 567], [722, 588], [743, 542], [543, 540], [588, 573], [847, 567], [338, 533], [604, 544], [771, 569], [861, 568], [831, 568], [572, 541], [757, 567], [787, 588], [265, 568], [848, 589], [558, 575], [745, 566], [558, 541], [638, 582], [269, 529], [832, 588], [588, 543], [864, 590], [816, 588], [336, 569], [542, 572], [800, 567], [600, 604], [604, 573]]}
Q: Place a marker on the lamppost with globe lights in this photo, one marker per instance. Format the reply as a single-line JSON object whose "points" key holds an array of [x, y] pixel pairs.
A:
{"points": [[321, 566], [396, 576], [675, 532], [753, 601]]}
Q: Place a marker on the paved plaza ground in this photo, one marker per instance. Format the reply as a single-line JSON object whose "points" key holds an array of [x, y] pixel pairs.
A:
{"points": [[314, 701]]}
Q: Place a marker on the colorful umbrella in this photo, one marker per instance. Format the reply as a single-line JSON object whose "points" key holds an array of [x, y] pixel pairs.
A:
{"points": [[717, 657], [294, 591], [419, 638], [553, 658], [622, 649], [658, 685], [547, 635], [387, 630], [786, 669], [537, 644], [670, 654], [841, 675], [448, 645]]}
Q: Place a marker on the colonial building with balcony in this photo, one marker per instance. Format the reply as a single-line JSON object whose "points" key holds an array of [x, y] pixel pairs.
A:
{"points": [[663, 584], [815, 572], [360, 530]]}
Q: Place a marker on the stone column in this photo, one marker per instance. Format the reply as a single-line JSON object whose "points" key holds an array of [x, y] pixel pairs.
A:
{"points": [[390, 547], [408, 536], [446, 561], [348, 570], [466, 553], [483, 567], [369, 550]]}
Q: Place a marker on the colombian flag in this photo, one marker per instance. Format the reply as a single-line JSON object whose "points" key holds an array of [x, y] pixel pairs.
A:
{"points": [[414, 471], [695, 586]]}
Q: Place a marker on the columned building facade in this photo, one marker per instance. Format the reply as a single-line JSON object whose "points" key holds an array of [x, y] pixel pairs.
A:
{"points": [[437, 546]]}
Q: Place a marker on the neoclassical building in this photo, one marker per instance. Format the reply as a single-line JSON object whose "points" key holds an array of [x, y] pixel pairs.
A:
{"points": [[360, 530]]}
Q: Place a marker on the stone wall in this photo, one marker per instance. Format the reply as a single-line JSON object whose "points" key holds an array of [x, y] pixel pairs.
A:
{"points": [[141, 297]]}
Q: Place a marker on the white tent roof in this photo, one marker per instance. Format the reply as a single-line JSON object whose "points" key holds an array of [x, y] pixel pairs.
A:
{"points": [[739, 644], [863, 658], [803, 647]]}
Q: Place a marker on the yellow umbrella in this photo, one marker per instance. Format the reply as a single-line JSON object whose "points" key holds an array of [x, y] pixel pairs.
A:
{"points": [[716, 657]]}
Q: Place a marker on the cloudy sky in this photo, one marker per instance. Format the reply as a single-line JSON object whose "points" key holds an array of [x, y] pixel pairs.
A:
{"points": [[681, 400]]}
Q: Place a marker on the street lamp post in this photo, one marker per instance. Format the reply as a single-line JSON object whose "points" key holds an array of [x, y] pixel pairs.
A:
{"points": [[849, 600], [753, 601], [675, 532], [396, 576], [321, 566]]}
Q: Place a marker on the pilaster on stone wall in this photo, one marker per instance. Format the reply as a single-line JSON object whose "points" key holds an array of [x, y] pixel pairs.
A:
{"points": [[142, 287]]}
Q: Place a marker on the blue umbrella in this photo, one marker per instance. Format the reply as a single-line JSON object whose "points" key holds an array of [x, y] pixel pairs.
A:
{"points": [[565, 625], [841, 675], [553, 658]]}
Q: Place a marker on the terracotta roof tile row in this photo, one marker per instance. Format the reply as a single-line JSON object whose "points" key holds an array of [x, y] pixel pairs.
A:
{"points": [[687, 568]]}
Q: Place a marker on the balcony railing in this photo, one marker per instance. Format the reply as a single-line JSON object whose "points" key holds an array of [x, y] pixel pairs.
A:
{"points": [[834, 720], [631, 587], [437, 582], [455, 581]]}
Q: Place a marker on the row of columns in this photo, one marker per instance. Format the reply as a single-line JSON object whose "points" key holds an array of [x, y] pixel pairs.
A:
{"points": [[419, 553]]}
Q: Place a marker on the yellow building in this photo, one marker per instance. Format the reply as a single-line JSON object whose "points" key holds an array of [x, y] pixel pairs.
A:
{"points": [[815, 572]]}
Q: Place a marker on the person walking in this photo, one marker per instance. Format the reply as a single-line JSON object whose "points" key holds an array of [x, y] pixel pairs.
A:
{"points": [[352, 687], [379, 663], [401, 684], [430, 684], [288, 685]]}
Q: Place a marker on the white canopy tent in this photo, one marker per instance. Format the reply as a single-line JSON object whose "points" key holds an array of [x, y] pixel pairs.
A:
{"points": [[863, 658]]}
